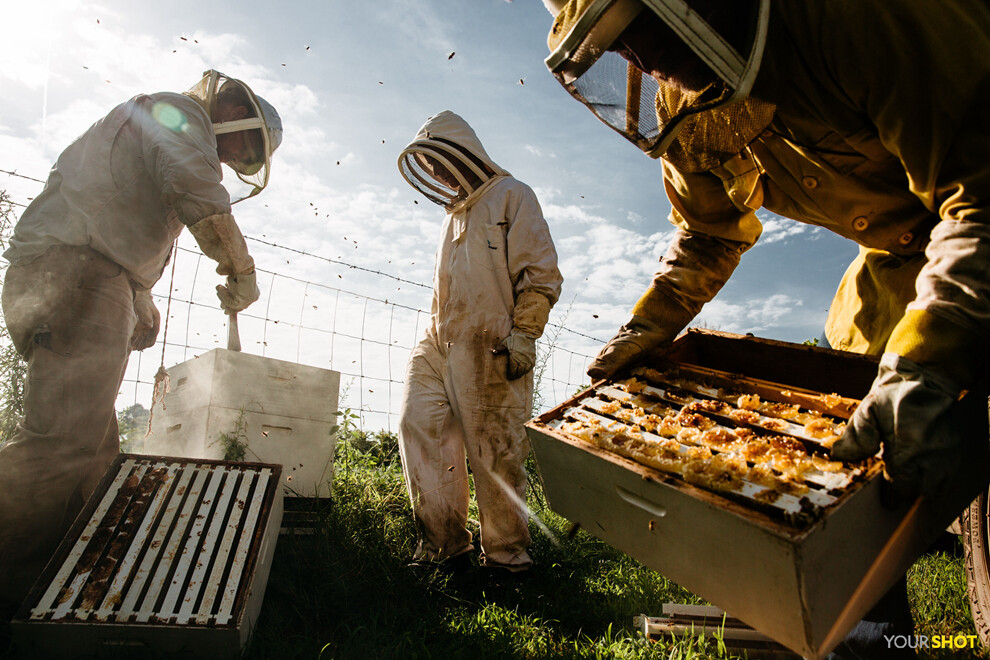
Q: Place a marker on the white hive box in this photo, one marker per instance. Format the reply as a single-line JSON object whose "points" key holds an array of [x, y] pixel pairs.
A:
{"points": [[169, 558], [283, 412]]}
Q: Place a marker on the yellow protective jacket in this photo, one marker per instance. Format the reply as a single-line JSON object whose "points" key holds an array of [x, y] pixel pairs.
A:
{"points": [[879, 135]]}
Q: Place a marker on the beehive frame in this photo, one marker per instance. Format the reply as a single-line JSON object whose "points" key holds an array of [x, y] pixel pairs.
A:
{"points": [[169, 554], [805, 586]]}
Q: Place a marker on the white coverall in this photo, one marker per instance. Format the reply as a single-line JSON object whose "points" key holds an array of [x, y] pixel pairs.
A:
{"points": [[458, 400], [97, 237]]}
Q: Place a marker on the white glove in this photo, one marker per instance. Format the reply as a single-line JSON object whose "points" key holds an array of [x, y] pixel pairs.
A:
{"points": [[148, 321], [241, 291], [916, 416], [522, 354]]}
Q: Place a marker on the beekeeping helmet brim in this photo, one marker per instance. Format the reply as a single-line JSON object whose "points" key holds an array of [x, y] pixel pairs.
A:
{"points": [[447, 163], [263, 123], [627, 98]]}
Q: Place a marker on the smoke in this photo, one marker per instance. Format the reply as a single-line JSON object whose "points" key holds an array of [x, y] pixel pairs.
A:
{"points": [[511, 494]]}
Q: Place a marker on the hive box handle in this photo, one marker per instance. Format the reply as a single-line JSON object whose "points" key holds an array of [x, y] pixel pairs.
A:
{"points": [[641, 502]]}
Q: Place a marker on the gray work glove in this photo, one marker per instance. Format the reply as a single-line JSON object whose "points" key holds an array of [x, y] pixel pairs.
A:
{"points": [[241, 291], [637, 337], [148, 321], [913, 413], [522, 354]]}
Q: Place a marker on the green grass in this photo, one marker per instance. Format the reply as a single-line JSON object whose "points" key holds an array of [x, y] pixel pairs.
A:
{"points": [[346, 591], [937, 592]]}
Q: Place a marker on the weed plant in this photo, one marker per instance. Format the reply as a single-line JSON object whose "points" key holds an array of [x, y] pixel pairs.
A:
{"points": [[937, 592], [235, 443], [13, 370]]}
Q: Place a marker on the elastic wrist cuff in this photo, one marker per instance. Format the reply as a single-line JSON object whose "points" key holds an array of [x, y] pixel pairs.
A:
{"points": [[938, 344]]}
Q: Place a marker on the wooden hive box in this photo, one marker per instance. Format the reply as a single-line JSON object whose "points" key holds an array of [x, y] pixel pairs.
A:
{"points": [[803, 574], [282, 411], [169, 558]]}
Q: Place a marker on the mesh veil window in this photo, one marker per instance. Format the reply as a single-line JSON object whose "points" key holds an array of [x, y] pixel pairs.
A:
{"points": [[246, 179], [417, 164], [650, 111]]}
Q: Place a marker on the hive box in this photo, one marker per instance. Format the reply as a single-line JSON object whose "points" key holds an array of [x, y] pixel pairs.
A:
{"points": [[279, 412], [803, 587], [169, 558]]}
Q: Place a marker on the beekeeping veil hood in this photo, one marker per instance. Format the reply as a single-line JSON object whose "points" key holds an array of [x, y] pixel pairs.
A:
{"points": [[448, 141], [252, 172], [649, 112]]}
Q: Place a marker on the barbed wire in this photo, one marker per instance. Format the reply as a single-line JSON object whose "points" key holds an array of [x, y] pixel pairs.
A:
{"points": [[372, 271], [335, 261], [21, 176], [394, 277], [319, 284], [378, 387]]}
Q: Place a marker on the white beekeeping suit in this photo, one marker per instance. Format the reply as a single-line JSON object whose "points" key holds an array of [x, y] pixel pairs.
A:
{"points": [[469, 382], [77, 295]]}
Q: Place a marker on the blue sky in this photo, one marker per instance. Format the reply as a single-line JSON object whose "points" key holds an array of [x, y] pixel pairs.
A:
{"points": [[353, 81]]}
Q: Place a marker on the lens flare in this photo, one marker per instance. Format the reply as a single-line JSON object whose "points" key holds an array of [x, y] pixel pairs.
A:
{"points": [[170, 117]]}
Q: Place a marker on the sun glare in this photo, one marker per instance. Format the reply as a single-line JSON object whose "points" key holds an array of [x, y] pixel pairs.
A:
{"points": [[33, 26]]}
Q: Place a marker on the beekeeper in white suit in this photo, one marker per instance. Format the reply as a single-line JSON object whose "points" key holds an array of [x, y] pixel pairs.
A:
{"points": [[469, 382], [76, 298]]}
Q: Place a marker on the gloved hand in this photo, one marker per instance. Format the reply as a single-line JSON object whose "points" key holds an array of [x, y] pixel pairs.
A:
{"points": [[522, 354], [638, 336], [913, 412], [241, 291], [148, 321]]}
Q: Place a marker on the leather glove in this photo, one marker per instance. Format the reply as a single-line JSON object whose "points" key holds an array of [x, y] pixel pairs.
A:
{"points": [[531, 312], [241, 291], [221, 240], [916, 415], [148, 321], [522, 354], [656, 320], [638, 336]]}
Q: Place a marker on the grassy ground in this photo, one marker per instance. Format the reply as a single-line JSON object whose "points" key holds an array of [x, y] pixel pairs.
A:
{"points": [[345, 591]]}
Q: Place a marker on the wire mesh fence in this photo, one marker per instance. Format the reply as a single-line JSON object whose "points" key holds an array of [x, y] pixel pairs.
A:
{"points": [[364, 331], [363, 336]]}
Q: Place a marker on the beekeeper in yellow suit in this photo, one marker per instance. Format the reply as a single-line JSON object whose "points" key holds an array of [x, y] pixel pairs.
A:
{"points": [[864, 117], [83, 257], [793, 107], [469, 382]]}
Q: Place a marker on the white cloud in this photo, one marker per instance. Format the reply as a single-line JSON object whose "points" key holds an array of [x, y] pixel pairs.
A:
{"points": [[635, 218], [761, 316], [571, 214], [422, 25], [777, 229], [546, 196], [602, 200]]}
